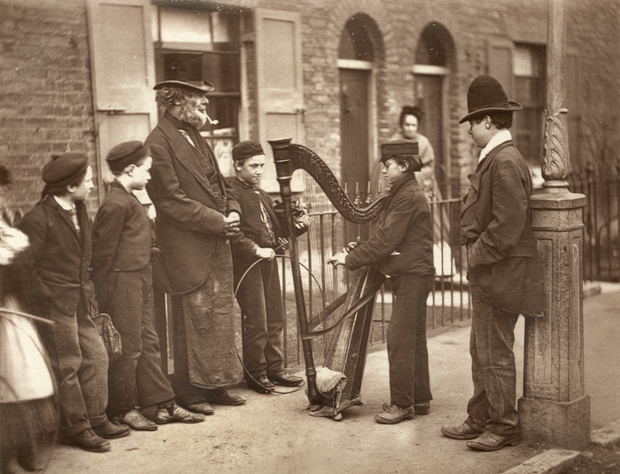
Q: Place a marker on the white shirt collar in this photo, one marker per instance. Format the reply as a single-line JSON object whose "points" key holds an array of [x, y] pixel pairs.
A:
{"points": [[64, 204], [499, 138]]}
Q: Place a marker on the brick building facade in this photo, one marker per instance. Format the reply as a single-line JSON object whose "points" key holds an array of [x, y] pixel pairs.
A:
{"points": [[78, 75]]}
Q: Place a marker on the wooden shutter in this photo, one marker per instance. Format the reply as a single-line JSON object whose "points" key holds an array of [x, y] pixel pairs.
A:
{"points": [[279, 83], [500, 63], [123, 72]]}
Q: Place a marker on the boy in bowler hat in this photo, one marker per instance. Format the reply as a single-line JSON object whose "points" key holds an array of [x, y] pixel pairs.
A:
{"points": [[123, 247], [259, 294], [59, 287], [402, 246], [504, 271]]}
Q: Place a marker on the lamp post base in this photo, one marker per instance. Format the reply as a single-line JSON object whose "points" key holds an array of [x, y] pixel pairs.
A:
{"points": [[565, 424]]}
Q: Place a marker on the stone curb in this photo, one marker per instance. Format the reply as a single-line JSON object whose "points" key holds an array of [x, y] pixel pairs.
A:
{"points": [[553, 461], [607, 436]]}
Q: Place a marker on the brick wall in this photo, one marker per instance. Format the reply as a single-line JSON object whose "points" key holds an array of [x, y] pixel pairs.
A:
{"points": [[45, 90], [593, 35]]}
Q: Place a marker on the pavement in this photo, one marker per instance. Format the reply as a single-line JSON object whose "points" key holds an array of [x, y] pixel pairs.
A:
{"points": [[274, 434]]}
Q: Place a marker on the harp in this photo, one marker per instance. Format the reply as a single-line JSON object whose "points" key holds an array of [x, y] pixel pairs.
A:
{"points": [[336, 386]]}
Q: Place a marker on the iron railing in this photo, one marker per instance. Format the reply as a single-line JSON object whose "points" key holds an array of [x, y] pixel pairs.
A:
{"points": [[601, 248], [448, 304]]}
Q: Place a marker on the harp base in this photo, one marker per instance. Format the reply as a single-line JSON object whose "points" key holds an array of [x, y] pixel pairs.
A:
{"points": [[329, 411]]}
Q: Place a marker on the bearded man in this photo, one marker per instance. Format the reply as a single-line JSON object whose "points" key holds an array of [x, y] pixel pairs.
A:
{"points": [[196, 214]]}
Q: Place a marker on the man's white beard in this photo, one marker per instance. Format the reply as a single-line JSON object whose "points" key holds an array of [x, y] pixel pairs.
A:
{"points": [[194, 118]]}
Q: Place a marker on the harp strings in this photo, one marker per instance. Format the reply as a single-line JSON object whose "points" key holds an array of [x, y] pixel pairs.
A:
{"points": [[329, 232]]}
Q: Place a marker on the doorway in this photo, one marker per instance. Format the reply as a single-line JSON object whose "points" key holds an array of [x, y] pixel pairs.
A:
{"points": [[429, 98], [354, 129]]}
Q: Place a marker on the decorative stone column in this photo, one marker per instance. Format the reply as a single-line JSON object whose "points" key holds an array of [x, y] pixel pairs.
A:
{"points": [[554, 408]]}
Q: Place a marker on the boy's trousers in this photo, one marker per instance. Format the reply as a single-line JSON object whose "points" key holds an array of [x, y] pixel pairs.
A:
{"points": [[136, 379], [80, 362]]}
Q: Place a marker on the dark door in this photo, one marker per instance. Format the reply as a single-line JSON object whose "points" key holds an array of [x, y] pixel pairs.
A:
{"points": [[354, 129], [428, 92]]}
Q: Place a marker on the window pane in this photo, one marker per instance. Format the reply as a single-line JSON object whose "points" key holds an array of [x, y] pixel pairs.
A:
{"points": [[522, 62], [225, 110], [222, 70], [527, 131], [183, 66]]}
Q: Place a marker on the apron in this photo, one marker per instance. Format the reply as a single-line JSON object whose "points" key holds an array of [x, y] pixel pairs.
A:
{"points": [[209, 325]]}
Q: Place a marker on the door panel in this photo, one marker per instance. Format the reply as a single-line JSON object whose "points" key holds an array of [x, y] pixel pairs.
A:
{"points": [[280, 94], [122, 55], [354, 129], [429, 97]]}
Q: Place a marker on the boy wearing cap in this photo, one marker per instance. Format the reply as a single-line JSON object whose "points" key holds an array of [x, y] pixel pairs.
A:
{"points": [[505, 276], [123, 244], [259, 294], [402, 246], [56, 268]]}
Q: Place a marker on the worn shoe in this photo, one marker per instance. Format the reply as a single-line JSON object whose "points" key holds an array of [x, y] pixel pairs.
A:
{"points": [[418, 408], [394, 414], [176, 414], [463, 431], [422, 408], [135, 420], [286, 380], [261, 384], [489, 441], [88, 441], [200, 407], [221, 396], [109, 430]]}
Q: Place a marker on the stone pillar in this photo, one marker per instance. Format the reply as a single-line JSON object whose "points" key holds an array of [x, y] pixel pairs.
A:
{"points": [[554, 408]]}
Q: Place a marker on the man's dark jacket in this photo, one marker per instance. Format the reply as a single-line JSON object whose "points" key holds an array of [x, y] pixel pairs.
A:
{"points": [[188, 218], [496, 227]]}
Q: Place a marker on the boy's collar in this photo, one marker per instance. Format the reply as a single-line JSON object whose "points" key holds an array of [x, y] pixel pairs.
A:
{"points": [[118, 184], [244, 182], [66, 204]]}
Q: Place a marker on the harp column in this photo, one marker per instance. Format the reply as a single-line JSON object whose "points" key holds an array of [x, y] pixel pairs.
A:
{"points": [[555, 408], [284, 170]]}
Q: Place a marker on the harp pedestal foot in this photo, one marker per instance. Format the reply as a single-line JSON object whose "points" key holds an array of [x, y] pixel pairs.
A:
{"points": [[325, 411]]}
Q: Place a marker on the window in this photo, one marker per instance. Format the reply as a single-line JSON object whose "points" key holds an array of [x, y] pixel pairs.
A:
{"points": [[528, 65], [197, 44]]}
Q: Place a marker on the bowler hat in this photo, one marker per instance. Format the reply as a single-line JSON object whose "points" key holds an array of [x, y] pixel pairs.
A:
{"points": [[398, 147], [486, 94], [246, 149], [65, 169], [195, 86], [125, 154]]}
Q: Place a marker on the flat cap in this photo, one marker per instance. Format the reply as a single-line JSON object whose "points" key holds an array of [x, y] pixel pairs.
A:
{"points": [[398, 147], [65, 169], [125, 154], [194, 86], [246, 149]]}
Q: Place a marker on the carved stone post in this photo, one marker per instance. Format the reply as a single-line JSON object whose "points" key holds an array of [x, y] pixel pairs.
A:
{"points": [[554, 408]]}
